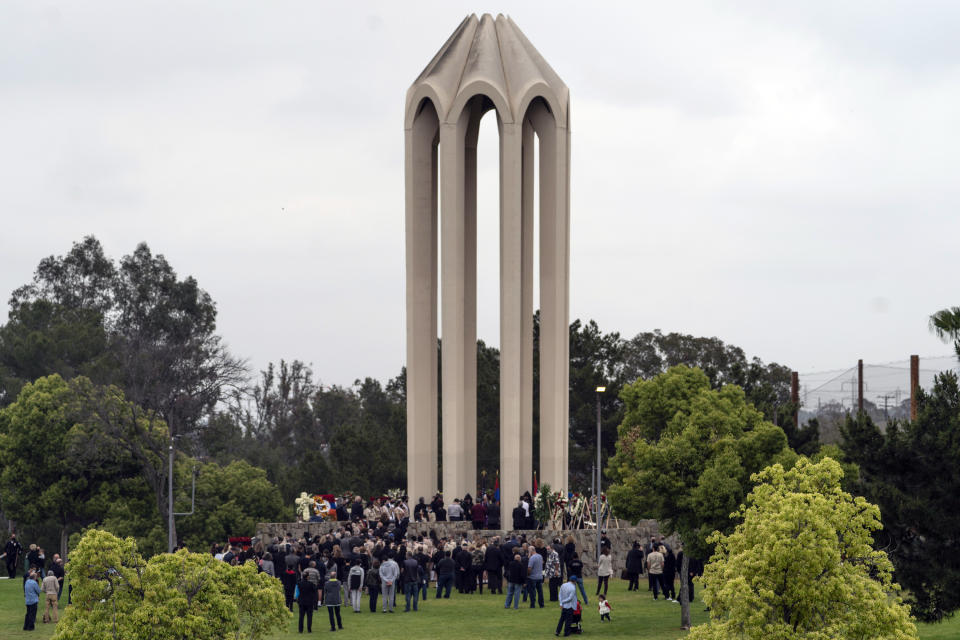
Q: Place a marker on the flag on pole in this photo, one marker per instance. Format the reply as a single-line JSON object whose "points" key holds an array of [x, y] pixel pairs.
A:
{"points": [[496, 487], [536, 487]]}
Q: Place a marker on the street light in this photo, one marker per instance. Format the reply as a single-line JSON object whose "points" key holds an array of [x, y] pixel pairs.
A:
{"points": [[599, 391]]}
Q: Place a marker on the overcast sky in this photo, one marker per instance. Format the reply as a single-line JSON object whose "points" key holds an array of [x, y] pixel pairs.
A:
{"points": [[781, 175]]}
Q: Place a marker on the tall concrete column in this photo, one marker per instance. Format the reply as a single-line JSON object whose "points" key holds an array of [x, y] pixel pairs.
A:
{"points": [[554, 303], [526, 311], [468, 465], [511, 314], [452, 314], [421, 264]]}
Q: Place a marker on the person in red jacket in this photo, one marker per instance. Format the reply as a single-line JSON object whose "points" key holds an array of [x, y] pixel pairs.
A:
{"points": [[478, 514]]}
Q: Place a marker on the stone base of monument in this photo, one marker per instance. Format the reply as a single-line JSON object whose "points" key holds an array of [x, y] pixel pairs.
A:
{"points": [[621, 538]]}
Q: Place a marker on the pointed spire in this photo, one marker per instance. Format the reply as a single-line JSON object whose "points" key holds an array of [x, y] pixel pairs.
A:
{"points": [[491, 57]]}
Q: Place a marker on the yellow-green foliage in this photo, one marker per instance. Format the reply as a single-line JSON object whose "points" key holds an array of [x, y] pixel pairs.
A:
{"points": [[800, 565], [118, 595]]}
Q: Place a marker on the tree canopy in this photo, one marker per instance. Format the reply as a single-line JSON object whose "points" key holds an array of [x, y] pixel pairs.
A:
{"points": [[135, 324], [47, 473], [137, 343], [685, 456], [74, 454], [686, 452], [910, 471], [800, 565], [119, 595]]}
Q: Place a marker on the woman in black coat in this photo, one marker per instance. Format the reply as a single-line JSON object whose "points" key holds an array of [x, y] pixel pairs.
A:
{"points": [[634, 566], [307, 602], [669, 573]]}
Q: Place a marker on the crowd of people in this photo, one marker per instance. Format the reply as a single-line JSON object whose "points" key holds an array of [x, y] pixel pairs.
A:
{"points": [[483, 512], [370, 555], [40, 578], [385, 568]]}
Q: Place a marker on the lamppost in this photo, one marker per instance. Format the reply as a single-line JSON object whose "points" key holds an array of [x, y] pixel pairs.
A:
{"points": [[171, 535], [597, 496]]}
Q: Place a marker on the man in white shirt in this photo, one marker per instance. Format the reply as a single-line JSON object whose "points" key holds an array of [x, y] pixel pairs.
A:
{"points": [[568, 604]]}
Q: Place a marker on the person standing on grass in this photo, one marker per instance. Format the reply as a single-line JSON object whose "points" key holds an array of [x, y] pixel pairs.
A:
{"points": [[551, 573], [333, 598], [389, 572], [604, 570], [568, 604], [655, 570], [12, 551], [493, 565], [57, 568], [604, 607], [423, 559], [266, 564], [669, 572], [50, 588], [411, 581], [476, 572], [372, 582], [535, 576], [445, 570], [355, 583], [307, 601], [31, 597], [634, 567], [575, 573], [516, 577]]}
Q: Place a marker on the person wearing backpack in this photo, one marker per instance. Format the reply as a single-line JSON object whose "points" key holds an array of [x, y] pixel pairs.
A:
{"points": [[307, 601], [355, 584], [372, 582]]}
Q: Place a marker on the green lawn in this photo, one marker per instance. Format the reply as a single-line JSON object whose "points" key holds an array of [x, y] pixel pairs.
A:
{"points": [[635, 615]]}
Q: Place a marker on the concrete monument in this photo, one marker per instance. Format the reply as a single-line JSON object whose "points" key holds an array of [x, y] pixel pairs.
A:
{"points": [[486, 64]]}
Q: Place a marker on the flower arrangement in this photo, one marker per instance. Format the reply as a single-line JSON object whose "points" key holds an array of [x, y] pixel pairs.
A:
{"points": [[322, 505], [543, 504]]}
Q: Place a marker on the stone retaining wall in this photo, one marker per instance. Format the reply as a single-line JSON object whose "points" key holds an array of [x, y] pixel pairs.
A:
{"points": [[621, 538]]}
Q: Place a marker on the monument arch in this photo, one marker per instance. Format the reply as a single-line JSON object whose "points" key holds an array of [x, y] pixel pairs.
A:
{"points": [[487, 64]]}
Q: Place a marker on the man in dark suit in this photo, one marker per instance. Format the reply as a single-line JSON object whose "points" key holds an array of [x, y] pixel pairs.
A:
{"points": [[493, 515], [11, 553], [493, 565], [519, 517]]}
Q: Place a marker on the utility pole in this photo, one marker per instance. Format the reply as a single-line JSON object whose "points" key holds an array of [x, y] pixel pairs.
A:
{"points": [[859, 386], [795, 398], [914, 385], [885, 398]]}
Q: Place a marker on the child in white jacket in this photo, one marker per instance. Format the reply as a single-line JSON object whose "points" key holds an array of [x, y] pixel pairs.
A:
{"points": [[604, 607]]}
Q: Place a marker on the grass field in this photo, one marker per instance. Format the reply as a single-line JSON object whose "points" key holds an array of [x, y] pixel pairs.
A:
{"points": [[635, 615]]}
